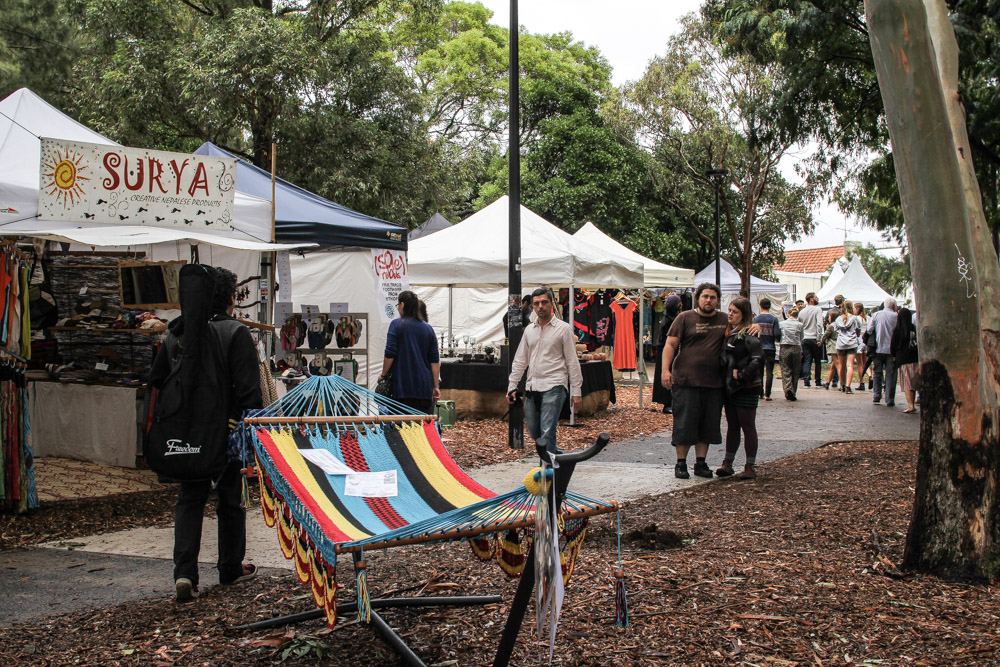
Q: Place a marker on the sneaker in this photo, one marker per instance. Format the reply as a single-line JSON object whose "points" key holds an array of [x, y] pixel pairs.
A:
{"points": [[848, 390], [861, 387], [249, 572], [806, 385], [890, 404], [702, 470], [877, 399], [681, 471], [726, 470], [186, 590], [748, 472], [789, 396], [767, 398]]}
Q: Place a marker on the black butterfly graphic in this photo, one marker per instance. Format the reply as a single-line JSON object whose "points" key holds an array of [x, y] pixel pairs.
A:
{"points": [[101, 201], [141, 209], [200, 212], [188, 222], [158, 218], [176, 210], [209, 222], [88, 215], [123, 217]]}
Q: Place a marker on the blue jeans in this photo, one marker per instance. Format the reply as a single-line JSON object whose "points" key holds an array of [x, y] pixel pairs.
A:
{"points": [[812, 355], [885, 365], [541, 415]]}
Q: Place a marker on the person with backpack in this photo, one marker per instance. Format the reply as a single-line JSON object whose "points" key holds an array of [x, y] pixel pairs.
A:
{"points": [[206, 373], [903, 348]]}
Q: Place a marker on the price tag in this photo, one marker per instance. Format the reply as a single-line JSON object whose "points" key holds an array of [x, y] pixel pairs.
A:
{"points": [[101, 366]]}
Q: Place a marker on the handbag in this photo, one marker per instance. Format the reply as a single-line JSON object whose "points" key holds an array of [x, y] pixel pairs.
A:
{"points": [[384, 386]]}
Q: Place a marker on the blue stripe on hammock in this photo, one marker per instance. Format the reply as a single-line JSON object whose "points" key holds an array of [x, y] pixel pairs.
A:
{"points": [[408, 504]]}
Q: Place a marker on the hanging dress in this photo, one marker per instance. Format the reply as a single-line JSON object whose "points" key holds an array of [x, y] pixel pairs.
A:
{"points": [[624, 357]]}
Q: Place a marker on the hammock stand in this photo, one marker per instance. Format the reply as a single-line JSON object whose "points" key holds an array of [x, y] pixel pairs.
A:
{"points": [[338, 406]]}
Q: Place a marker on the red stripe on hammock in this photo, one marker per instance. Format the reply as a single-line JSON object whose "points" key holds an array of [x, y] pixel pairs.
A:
{"points": [[460, 475], [328, 527], [380, 506]]}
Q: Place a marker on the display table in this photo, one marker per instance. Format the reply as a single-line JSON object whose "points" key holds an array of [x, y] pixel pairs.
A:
{"points": [[94, 423], [480, 389]]}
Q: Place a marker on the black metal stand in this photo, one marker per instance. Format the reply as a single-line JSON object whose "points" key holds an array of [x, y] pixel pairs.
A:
{"points": [[561, 476]]}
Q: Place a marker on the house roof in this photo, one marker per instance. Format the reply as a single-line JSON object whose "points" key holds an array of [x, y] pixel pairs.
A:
{"points": [[811, 260]]}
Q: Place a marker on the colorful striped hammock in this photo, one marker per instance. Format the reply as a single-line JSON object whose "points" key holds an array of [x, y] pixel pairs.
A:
{"points": [[435, 501]]}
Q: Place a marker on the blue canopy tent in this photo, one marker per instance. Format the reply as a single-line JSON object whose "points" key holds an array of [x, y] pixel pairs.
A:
{"points": [[304, 217]]}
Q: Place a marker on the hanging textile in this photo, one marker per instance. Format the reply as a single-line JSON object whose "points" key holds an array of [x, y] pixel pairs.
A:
{"points": [[624, 357], [601, 322], [17, 464]]}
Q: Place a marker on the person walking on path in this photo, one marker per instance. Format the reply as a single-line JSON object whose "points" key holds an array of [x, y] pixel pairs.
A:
{"points": [[692, 371], [548, 354], [231, 352], [881, 325], [903, 347], [790, 354], [861, 358], [770, 332], [412, 349], [848, 337], [828, 343], [743, 361], [662, 395], [811, 318]]}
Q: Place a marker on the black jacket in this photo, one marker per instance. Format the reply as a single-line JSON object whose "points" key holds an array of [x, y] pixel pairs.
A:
{"points": [[742, 353], [900, 348]]}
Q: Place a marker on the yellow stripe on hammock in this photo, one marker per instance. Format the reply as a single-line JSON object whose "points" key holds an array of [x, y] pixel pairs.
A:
{"points": [[285, 443], [433, 470]]}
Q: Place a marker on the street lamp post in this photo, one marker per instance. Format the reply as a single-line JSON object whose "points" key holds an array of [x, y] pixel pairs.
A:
{"points": [[717, 176]]}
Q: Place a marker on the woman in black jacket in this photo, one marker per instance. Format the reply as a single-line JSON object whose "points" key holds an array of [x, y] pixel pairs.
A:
{"points": [[660, 393], [903, 348], [743, 361]]}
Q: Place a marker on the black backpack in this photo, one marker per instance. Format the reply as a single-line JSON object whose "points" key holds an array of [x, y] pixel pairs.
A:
{"points": [[188, 437]]}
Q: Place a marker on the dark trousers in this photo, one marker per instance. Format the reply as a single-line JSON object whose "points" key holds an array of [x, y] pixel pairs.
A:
{"points": [[885, 366], [741, 419], [812, 356], [425, 405], [768, 373], [188, 516]]}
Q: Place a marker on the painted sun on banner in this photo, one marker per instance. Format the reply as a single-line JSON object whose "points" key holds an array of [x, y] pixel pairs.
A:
{"points": [[81, 182]]}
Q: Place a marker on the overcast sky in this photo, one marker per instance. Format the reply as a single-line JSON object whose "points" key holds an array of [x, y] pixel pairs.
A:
{"points": [[631, 32]]}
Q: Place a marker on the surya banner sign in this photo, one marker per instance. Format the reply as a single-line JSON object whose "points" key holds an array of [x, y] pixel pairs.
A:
{"points": [[390, 280], [81, 182]]}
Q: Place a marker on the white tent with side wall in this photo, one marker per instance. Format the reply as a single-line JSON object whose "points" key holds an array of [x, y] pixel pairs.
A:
{"points": [[855, 285], [731, 286], [655, 274], [24, 119], [473, 255]]}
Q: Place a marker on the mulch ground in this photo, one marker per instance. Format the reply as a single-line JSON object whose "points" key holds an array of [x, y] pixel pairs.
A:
{"points": [[795, 568]]}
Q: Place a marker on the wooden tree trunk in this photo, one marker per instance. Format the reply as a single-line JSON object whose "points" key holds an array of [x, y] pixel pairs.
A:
{"points": [[955, 527]]}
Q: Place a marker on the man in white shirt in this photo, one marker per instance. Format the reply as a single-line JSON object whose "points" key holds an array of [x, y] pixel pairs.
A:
{"points": [[548, 353], [811, 318], [880, 325]]}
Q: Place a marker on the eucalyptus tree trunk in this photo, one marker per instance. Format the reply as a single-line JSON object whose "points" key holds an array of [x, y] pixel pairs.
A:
{"points": [[955, 527]]}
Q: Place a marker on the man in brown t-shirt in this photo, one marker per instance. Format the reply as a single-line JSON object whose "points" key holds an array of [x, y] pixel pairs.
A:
{"points": [[692, 369]]}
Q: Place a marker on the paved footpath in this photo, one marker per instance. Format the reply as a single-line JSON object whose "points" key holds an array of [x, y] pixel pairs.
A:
{"points": [[135, 564]]}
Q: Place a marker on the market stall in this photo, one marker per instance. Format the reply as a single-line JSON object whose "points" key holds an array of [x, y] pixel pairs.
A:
{"points": [[342, 269], [104, 265], [855, 285], [731, 286]]}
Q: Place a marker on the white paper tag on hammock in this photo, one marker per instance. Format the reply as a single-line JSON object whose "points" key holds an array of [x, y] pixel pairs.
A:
{"points": [[330, 464], [371, 484]]}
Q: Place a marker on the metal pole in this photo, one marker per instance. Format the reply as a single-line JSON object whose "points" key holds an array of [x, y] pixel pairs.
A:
{"points": [[451, 307], [718, 238], [515, 429], [641, 359]]}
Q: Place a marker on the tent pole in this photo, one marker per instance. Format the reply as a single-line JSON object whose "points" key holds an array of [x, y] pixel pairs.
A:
{"points": [[451, 305], [641, 359], [572, 327]]}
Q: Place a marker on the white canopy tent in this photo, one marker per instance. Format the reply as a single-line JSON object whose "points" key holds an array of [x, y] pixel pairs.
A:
{"points": [[473, 253], [731, 286], [855, 285], [24, 119], [836, 273], [655, 274]]}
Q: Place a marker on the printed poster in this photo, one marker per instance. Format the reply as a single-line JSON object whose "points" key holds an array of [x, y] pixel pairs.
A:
{"points": [[390, 279], [109, 184]]}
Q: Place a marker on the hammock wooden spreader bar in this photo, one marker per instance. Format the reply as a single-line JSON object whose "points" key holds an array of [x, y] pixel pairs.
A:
{"points": [[353, 419]]}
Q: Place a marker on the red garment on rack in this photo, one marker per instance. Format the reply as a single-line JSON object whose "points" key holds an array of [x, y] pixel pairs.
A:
{"points": [[624, 357]]}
